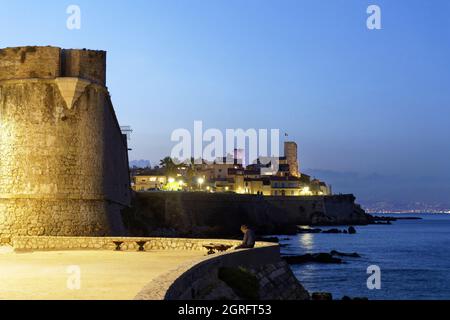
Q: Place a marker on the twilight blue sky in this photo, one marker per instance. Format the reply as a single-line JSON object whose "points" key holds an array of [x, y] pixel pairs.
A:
{"points": [[359, 103]]}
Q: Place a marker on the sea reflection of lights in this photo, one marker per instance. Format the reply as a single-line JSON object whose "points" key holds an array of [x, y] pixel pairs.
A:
{"points": [[307, 241], [306, 273]]}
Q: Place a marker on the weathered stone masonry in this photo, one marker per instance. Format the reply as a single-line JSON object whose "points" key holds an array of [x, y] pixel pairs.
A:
{"points": [[63, 159]]}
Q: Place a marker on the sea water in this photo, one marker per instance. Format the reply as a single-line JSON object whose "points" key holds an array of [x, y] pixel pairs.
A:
{"points": [[413, 257]]}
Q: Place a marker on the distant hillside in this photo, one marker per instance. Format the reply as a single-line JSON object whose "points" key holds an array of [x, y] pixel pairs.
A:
{"points": [[387, 192], [139, 163]]}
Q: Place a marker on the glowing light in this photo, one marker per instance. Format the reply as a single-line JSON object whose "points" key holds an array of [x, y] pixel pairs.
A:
{"points": [[172, 185], [307, 241], [200, 181], [227, 188], [306, 191]]}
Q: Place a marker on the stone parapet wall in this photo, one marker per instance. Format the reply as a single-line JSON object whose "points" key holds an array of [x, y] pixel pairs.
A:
{"points": [[277, 282], [30, 62], [35, 62], [85, 64], [199, 280], [107, 243]]}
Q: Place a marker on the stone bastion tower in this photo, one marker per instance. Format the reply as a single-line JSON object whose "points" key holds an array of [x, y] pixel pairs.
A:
{"points": [[63, 158]]}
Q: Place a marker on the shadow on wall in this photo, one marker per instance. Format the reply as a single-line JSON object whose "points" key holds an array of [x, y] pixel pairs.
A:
{"points": [[221, 214], [170, 214]]}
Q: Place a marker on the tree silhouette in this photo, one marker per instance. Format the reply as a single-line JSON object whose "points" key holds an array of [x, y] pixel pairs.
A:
{"points": [[169, 167]]}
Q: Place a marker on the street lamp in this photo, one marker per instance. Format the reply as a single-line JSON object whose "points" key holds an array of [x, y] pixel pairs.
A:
{"points": [[200, 182]]}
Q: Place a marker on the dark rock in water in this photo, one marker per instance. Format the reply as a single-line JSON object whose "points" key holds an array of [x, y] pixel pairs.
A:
{"points": [[322, 296], [351, 230], [347, 298], [309, 230], [326, 258], [332, 231], [318, 258], [377, 218], [298, 259], [343, 254], [383, 223], [388, 219]]}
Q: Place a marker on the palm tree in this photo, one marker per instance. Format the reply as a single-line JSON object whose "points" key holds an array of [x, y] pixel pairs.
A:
{"points": [[169, 167], [190, 172]]}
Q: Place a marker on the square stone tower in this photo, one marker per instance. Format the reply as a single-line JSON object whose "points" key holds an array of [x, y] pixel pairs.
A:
{"points": [[291, 154], [63, 159]]}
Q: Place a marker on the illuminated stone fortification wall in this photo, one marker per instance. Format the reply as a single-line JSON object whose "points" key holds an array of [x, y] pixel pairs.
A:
{"points": [[63, 159]]}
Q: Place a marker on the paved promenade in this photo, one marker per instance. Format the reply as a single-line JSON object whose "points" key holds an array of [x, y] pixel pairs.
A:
{"points": [[103, 274]]}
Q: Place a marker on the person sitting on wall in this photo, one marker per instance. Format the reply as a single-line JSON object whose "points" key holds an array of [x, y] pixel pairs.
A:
{"points": [[249, 238]]}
